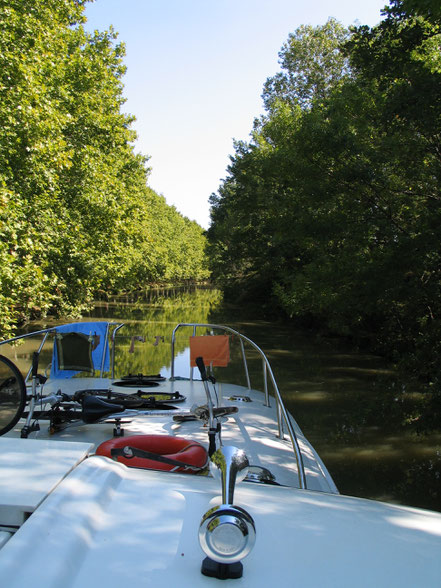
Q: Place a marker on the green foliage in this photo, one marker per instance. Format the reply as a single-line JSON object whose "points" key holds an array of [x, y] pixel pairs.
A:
{"points": [[429, 9], [312, 64], [332, 211], [76, 214]]}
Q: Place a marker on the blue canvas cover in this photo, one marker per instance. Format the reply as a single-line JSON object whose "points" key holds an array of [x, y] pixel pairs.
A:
{"points": [[99, 331]]}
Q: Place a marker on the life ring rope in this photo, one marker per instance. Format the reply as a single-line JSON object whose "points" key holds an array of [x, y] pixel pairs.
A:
{"points": [[158, 452], [130, 452]]}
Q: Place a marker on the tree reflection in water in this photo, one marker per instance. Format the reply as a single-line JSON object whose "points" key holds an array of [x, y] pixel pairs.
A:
{"points": [[143, 345]]}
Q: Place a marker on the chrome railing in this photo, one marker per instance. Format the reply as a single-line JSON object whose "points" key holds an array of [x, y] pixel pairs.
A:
{"points": [[282, 414], [43, 332]]}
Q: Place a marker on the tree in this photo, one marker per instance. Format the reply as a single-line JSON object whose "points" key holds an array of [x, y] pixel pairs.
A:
{"points": [[343, 189], [312, 65], [251, 216], [77, 215], [428, 9]]}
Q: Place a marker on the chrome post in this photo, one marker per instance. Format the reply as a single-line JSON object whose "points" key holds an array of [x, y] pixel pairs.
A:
{"points": [[227, 533], [38, 351], [106, 343], [265, 382], [191, 368], [280, 421], [172, 369], [247, 375], [202, 369], [114, 348], [209, 405], [28, 428], [232, 463], [282, 416]]}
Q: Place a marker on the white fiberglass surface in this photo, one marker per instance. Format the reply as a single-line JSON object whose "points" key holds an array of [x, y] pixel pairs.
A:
{"points": [[30, 471], [111, 526]]}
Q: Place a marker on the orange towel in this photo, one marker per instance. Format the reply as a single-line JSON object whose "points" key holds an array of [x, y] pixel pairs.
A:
{"points": [[214, 349]]}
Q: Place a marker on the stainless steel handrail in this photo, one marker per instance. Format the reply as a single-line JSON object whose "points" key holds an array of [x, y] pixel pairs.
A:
{"points": [[115, 330], [25, 335], [44, 332], [282, 414]]}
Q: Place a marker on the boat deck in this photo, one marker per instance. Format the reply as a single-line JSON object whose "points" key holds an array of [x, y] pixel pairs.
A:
{"points": [[253, 428]]}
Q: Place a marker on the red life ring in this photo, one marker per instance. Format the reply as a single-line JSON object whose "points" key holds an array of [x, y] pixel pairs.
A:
{"points": [[188, 453]]}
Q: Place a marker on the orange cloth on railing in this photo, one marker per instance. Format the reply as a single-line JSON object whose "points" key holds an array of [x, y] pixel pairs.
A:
{"points": [[214, 349]]}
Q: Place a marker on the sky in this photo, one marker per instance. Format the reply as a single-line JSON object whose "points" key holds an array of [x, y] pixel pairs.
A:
{"points": [[195, 74]]}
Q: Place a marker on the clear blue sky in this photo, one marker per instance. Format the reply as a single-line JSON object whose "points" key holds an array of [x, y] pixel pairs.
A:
{"points": [[196, 70]]}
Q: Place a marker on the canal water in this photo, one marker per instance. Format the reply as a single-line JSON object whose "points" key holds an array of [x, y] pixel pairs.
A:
{"points": [[352, 406]]}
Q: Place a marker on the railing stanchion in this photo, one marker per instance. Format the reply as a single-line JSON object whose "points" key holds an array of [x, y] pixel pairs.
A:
{"points": [[192, 369], [282, 415], [247, 375], [265, 382], [172, 369]]}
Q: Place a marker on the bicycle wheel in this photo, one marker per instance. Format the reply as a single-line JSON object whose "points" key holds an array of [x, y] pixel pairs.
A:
{"points": [[12, 395]]}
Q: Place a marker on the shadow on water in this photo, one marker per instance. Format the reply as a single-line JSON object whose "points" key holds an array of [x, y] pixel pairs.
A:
{"points": [[360, 417], [352, 406]]}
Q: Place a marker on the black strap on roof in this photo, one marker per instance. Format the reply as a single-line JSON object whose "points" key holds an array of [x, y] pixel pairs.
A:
{"points": [[129, 452]]}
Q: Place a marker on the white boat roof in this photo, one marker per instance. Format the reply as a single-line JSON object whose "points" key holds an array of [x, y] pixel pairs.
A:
{"points": [[105, 524]]}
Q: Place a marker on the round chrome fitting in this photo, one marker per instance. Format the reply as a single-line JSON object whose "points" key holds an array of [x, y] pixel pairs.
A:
{"points": [[227, 533]]}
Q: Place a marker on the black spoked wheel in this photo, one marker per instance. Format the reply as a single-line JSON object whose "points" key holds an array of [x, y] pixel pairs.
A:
{"points": [[12, 395]]}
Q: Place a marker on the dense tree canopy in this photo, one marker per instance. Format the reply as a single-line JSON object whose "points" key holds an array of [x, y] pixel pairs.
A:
{"points": [[332, 210], [76, 215]]}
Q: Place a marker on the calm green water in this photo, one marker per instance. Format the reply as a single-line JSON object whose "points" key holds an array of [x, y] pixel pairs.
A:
{"points": [[353, 408]]}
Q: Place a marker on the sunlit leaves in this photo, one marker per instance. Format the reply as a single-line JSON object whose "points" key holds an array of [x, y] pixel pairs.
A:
{"points": [[76, 214], [313, 63]]}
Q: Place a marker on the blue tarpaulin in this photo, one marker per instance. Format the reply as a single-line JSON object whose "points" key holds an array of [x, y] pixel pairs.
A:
{"points": [[97, 331]]}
